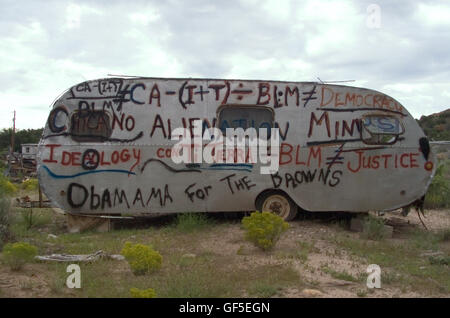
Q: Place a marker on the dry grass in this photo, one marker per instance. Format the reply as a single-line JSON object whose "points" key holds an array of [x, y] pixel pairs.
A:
{"points": [[210, 258]]}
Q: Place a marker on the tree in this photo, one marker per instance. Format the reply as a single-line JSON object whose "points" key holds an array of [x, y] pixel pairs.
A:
{"points": [[436, 126], [24, 136]]}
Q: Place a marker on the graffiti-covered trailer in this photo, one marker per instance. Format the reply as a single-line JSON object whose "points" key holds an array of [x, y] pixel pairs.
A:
{"points": [[106, 148]]}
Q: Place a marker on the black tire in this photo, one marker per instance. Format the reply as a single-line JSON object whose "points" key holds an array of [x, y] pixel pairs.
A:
{"points": [[277, 203]]}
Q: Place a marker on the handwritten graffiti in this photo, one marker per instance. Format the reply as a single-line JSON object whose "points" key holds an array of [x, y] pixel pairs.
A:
{"points": [[331, 97], [338, 158], [106, 140], [106, 87], [384, 161], [162, 127], [200, 193], [128, 122], [342, 128], [189, 94], [230, 166], [90, 159], [71, 176], [78, 195], [96, 137], [240, 184], [290, 154], [382, 124], [292, 180], [165, 165], [309, 95], [57, 119]]}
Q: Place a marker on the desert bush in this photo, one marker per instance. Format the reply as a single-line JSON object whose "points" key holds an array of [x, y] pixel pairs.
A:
{"points": [[6, 187], [373, 229], [142, 293], [439, 260], [15, 255], [5, 220], [189, 222], [438, 194], [264, 229], [30, 184], [141, 258], [27, 218]]}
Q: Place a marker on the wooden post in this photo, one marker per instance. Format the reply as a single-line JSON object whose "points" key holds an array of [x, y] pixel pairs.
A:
{"points": [[13, 131], [40, 196]]}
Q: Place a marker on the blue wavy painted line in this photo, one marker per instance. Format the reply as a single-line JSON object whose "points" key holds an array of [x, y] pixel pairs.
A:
{"points": [[227, 168], [243, 165], [58, 176]]}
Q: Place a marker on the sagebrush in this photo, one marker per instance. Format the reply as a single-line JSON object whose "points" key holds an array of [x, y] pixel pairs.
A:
{"points": [[264, 229], [15, 255], [30, 184], [142, 258], [6, 187], [142, 293]]}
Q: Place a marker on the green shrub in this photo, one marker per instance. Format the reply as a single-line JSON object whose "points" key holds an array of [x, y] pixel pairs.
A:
{"points": [[142, 258], [30, 184], [27, 218], [17, 254], [5, 220], [373, 229], [439, 260], [438, 194], [142, 293], [32, 218], [189, 222], [6, 187], [264, 229]]}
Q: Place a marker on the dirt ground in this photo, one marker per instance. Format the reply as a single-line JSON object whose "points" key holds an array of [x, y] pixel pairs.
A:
{"points": [[325, 253], [227, 241]]}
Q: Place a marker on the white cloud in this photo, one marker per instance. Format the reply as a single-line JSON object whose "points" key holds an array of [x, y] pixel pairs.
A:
{"points": [[277, 9], [45, 49], [73, 16], [144, 17], [433, 14]]}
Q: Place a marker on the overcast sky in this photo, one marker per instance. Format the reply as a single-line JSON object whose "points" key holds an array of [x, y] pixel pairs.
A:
{"points": [[401, 48]]}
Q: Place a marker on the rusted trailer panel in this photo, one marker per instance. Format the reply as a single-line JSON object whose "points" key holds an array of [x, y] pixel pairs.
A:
{"points": [[107, 144]]}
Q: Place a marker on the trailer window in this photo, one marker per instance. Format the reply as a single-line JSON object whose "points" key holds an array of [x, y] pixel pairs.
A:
{"points": [[90, 125], [245, 117], [381, 130]]}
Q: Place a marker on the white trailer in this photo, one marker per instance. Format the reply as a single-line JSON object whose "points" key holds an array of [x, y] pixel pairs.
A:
{"points": [[29, 151], [106, 148]]}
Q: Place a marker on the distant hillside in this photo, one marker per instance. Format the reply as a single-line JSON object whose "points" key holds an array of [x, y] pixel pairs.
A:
{"points": [[436, 126]]}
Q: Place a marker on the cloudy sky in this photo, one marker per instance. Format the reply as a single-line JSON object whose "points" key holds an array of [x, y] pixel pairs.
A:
{"points": [[401, 47]]}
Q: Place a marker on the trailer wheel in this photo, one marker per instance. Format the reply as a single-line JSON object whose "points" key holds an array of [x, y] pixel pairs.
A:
{"points": [[277, 203]]}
